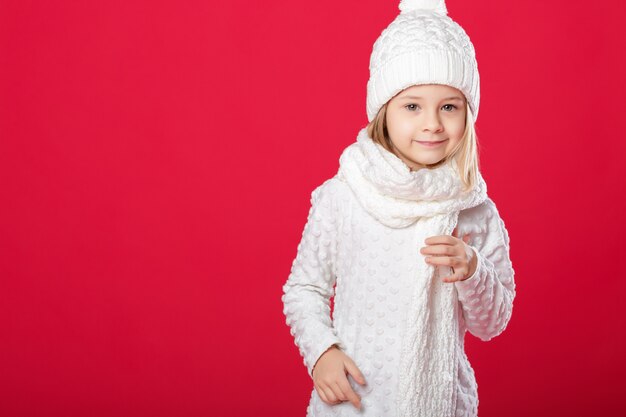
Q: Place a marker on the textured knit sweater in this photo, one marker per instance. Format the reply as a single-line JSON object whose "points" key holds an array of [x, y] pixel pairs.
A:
{"points": [[363, 233]]}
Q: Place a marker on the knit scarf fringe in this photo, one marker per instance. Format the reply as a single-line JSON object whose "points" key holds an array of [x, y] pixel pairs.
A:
{"points": [[432, 198]]}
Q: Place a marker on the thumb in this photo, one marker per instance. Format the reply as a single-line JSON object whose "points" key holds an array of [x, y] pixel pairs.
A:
{"points": [[354, 371], [466, 238]]}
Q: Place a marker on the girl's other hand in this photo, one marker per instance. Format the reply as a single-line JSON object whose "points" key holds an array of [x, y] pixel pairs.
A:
{"points": [[330, 377], [453, 252]]}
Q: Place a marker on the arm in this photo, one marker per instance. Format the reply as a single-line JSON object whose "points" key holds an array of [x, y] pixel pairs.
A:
{"points": [[307, 292], [487, 295]]}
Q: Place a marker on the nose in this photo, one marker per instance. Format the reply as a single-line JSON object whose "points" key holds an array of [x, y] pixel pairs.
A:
{"points": [[431, 122]]}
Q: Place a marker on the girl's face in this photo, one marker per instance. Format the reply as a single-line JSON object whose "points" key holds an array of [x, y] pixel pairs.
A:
{"points": [[425, 122]]}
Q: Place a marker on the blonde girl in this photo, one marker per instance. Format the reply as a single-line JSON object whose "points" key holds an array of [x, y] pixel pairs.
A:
{"points": [[405, 238]]}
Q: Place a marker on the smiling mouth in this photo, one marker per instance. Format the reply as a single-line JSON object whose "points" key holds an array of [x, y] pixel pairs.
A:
{"points": [[431, 143]]}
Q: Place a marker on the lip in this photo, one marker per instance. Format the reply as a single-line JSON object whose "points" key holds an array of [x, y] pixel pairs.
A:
{"points": [[431, 144]]}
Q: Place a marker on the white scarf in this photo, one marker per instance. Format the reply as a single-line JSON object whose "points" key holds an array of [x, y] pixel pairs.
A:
{"points": [[399, 197]]}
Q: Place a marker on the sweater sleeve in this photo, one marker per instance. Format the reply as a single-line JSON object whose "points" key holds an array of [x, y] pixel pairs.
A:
{"points": [[487, 295], [309, 287]]}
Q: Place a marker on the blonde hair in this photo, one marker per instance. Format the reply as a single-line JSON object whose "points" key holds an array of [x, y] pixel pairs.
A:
{"points": [[465, 153]]}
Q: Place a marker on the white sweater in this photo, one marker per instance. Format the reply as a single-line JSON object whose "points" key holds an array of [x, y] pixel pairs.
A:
{"points": [[375, 269]]}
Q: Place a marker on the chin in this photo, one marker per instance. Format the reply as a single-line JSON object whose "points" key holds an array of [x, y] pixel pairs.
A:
{"points": [[429, 161]]}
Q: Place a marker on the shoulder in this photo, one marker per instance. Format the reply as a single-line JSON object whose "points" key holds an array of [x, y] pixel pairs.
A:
{"points": [[333, 191], [485, 223], [480, 213]]}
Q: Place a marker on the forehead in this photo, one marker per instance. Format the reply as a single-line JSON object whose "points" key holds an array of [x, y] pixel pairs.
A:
{"points": [[434, 91]]}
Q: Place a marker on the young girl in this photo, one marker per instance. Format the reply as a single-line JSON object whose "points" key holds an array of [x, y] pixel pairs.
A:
{"points": [[418, 251]]}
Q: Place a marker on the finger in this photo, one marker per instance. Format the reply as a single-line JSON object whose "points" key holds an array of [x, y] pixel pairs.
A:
{"points": [[466, 238], [452, 261], [441, 239], [352, 396], [452, 278], [330, 395], [321, 393], [439, 250], [355, 372], [457, 275], [339, 392]]}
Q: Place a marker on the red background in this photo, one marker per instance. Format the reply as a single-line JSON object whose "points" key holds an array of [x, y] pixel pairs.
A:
{"points": [[156, 164]]}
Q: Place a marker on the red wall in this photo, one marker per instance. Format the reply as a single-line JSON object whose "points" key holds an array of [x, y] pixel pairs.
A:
{"points": [[156, 164]]}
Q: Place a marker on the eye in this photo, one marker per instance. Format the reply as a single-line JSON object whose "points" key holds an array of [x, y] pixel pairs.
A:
{"points": [[451, 105], [409, 105]]}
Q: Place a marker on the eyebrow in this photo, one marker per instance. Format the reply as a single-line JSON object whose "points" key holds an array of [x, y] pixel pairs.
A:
{"points": [[447, 98]]}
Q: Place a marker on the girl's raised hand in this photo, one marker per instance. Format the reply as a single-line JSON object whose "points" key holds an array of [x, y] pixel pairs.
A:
{"points": [[330, 377], [453, 252]]}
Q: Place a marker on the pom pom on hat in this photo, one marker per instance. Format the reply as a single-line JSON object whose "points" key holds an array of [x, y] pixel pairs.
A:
{"points": [[437, 6]]}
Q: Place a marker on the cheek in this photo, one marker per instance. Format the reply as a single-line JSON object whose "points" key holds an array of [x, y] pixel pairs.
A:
{"points": [[400, 126], [456, 130]]}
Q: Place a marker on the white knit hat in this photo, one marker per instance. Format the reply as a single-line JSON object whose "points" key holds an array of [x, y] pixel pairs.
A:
{"points": [[422, 46]]}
